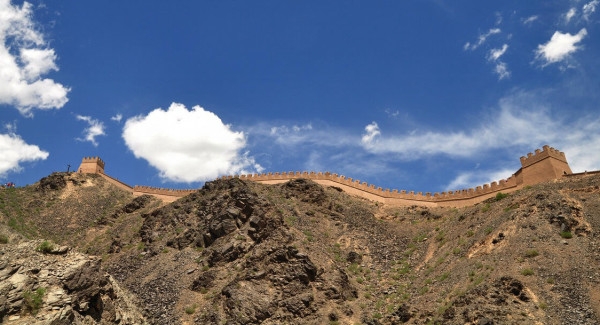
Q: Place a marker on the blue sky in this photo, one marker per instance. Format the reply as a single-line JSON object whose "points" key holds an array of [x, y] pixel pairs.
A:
{"points": [[417, 95]]}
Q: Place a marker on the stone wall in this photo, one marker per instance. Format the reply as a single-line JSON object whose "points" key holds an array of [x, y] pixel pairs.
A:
{"points": [[541, 166]]}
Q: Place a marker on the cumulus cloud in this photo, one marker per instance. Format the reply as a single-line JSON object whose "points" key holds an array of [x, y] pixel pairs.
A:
{"points": [[559, 47], [24, 59], [188, 145], [481, 39], [95, 128], [16, 151]]}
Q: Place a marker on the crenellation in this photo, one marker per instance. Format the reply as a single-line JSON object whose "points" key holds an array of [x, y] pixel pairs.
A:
{"points": [[536, 167]]}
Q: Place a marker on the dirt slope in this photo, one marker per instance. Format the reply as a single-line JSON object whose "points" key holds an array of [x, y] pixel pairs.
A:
{"points": [[238, 252]]}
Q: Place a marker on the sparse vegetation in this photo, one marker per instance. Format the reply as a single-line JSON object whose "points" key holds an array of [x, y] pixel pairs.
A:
{"points": [[45, 247], [374, 259], [33, 301], [500, 196], [3, 239], [485, 208], [531, 253], [191, 309], [566, 234]]}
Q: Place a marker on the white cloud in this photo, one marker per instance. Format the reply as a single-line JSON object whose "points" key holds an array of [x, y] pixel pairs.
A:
{"points": [[321, 135], [472, 179], [589, 8], [391, 113], [514, 124], [371, 133], [495, 54], [15, 151], [95, 128], [559, 47], [24, 59], [188, 145], [522, 122], [570, 14], [529, 20], [482, 38], [117, 118], [501, 70]]}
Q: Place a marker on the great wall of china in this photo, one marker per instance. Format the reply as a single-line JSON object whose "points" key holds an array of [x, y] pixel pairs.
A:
{"points": [[541, 166]]}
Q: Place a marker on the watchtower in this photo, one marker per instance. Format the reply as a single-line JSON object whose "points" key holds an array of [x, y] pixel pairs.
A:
{"points": [[92, 165], [543, 165]]}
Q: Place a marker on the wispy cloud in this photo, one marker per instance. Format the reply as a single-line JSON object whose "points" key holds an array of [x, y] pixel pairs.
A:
{"points": [[95, 128], [481, 39], [529, 20], [569, 15], [472, 179], [522, 120], [501, 68], [559, 47], [26, 58], [117, 118], [188, 145], [589, 8]]}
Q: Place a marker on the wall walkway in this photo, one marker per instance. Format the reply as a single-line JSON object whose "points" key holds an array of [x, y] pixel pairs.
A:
{"points": [[542, 165]]}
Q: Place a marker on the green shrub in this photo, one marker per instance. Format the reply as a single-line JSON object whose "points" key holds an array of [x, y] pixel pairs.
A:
{"points": [[488, 230], [531, 253], [500, 196], [33, 300], [566, 234], [527, 272], [3, 239], [45, 247], [190, 309]]}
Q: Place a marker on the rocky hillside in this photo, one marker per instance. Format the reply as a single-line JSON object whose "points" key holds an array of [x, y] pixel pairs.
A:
{"points": [[237, 252]]}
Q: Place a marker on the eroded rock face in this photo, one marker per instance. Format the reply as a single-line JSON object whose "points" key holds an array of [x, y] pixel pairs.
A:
{"points": [[55, 181], [66, 288]]}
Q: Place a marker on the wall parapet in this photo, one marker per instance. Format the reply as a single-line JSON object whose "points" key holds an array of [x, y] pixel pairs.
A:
{"points": [[539, 155], [531, 165], [161, 191], [493, 187]]}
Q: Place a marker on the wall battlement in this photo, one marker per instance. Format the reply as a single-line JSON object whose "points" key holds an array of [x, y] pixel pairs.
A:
{"points": [[161, 191], [91, 165], [546, 152], [542, 165]]}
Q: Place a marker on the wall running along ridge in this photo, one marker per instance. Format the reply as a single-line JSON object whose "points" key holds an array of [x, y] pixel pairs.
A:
{"points": [[541, 166]]}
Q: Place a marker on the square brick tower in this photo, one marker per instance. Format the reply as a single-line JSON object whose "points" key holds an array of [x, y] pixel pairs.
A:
{"points": [[544, 165], [92, 165]]}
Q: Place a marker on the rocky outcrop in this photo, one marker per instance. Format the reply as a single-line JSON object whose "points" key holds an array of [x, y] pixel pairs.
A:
{"points": [[59, 287]]}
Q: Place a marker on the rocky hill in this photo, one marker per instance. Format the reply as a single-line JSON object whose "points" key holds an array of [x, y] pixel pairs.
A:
{"points": [[238, 252]]}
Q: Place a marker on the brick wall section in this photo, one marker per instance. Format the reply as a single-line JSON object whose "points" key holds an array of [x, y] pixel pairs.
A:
{"points": [[541, 166]]}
